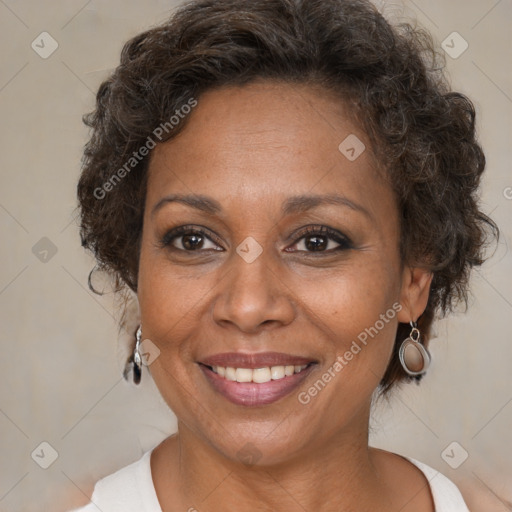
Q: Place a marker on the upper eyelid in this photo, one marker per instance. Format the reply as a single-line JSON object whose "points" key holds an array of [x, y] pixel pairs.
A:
{"points": [[302, 233], [180, 231]]}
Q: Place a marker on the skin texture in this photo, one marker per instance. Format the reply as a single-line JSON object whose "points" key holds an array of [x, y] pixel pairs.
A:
{"points": [[251, 148]]}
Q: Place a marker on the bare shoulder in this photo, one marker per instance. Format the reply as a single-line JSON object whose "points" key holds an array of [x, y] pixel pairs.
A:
{"points": [[408, 484]]}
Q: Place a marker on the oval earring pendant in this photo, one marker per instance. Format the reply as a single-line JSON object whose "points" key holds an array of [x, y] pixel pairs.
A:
{"points": [[415, 358]]}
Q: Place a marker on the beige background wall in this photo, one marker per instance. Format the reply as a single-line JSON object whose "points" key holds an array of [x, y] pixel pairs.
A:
{"points": [[60, 379]]}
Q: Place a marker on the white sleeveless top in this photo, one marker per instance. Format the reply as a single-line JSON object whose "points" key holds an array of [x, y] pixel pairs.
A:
{"points": [[131, 489]]}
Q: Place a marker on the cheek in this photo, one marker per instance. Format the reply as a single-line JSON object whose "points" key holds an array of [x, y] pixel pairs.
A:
{"points": [[352, 297], [357, 310], [344, 305], [347, 299], [166, 292], [174, 307], [169, 304]]}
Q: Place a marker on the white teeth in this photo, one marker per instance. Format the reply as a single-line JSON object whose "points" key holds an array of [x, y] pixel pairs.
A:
{"points": [[277, 372], [261, 375], [230, 373], [243, 375], [289, 370], [257, 375]]}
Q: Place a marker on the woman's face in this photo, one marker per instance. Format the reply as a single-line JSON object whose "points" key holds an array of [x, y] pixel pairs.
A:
{"points": [[258, 274]]}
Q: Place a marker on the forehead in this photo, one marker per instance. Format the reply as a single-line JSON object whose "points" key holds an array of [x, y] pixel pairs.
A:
{"points": [[266, 140]]}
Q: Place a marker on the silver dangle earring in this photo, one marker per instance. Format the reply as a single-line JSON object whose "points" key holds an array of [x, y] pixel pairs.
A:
{"points": [[134, 362], [415, 358], [137, 359]]}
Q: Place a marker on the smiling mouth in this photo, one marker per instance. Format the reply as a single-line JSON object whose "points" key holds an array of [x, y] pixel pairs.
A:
{"points": [[257, 375], [256, 386]]}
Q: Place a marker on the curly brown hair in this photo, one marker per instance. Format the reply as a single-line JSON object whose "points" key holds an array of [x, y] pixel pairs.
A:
{"points": [[422, 132]]}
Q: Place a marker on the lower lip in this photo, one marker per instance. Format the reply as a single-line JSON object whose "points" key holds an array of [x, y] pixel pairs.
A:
{"points": [[251, 393]]}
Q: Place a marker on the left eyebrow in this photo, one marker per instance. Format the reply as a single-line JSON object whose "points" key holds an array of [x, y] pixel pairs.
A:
{"points": [[304, 203]]}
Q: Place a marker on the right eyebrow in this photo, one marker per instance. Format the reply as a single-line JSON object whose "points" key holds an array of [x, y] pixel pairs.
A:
{"points": [[200, 202]]}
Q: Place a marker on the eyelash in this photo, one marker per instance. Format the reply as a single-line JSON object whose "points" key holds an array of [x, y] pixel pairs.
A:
{"points": [[321, 231]]}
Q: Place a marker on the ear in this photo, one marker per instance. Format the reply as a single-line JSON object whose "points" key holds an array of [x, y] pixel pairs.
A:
{"points": [[414, 293]]}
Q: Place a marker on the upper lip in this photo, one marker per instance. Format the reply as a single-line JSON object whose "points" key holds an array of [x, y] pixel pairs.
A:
{"points": [[255, 360]]}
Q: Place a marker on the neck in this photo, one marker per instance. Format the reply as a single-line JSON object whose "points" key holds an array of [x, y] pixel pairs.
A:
{"points": [[337, 474]]}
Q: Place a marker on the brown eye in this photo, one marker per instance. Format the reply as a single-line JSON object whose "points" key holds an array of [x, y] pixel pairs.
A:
{"points": [[188, 239], [316, 243], [322, 239], [192, 241]]}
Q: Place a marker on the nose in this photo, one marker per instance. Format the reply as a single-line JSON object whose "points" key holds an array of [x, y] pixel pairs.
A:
{"points": [[253, 296]]}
